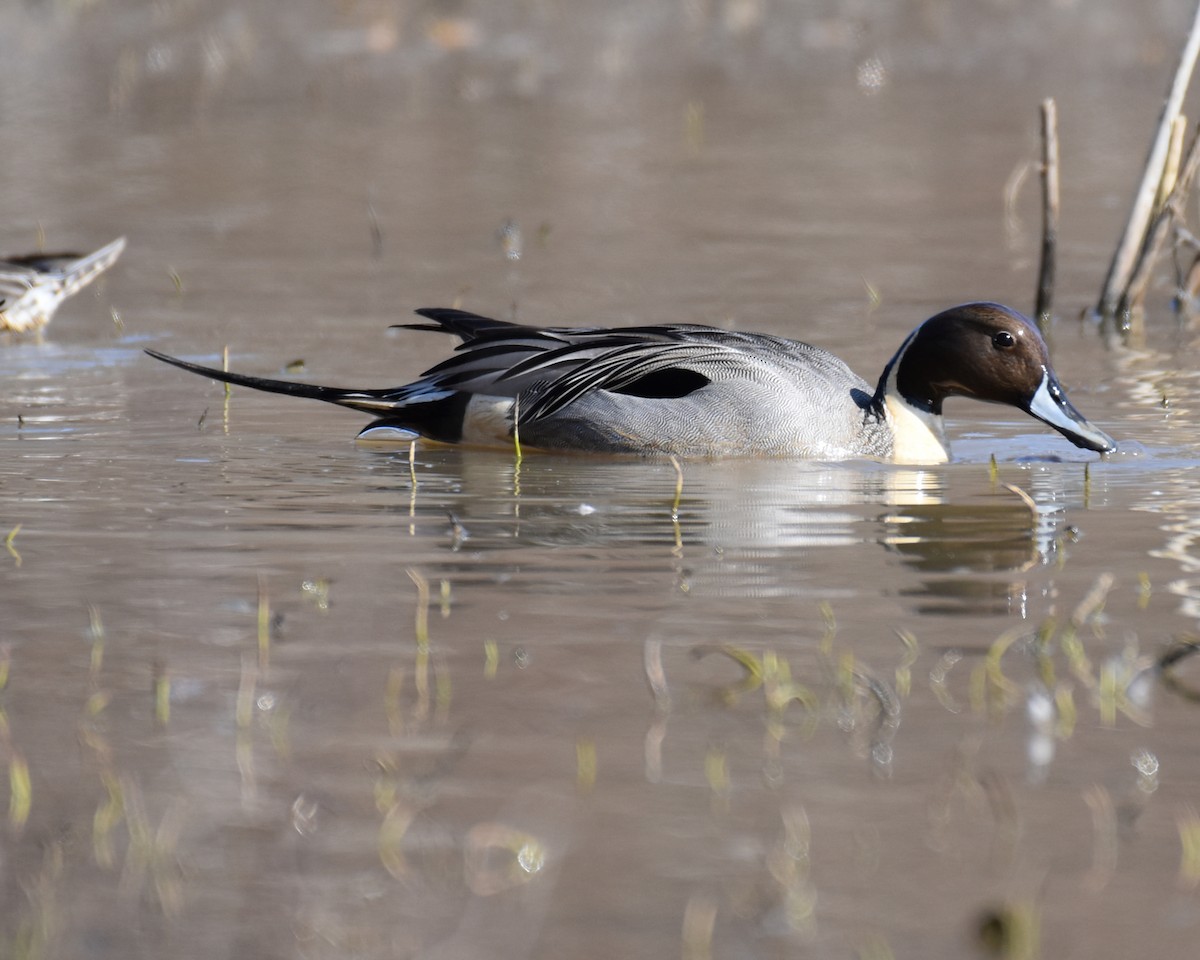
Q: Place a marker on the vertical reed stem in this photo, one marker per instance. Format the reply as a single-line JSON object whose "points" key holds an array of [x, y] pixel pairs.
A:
{"points": [[1045, 292], [1122, 266], [1156, 234]]}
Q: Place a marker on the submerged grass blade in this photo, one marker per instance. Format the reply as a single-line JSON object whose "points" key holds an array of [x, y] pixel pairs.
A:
{"points": [[516, 431], [162, 695], [716, 772], [1189, 842], [656, 676], [678, 549], [392, 831], [912, 650], [421, 629], [9, 544], [20, 790], [699, 921], [585, 764], [264, 624]]}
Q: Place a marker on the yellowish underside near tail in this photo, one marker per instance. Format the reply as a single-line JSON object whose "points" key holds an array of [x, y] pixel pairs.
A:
{"points": [[488, 421]]}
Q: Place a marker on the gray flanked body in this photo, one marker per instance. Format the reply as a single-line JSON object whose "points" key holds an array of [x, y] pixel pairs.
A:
{"points": [[803, 403], [697, 391]]}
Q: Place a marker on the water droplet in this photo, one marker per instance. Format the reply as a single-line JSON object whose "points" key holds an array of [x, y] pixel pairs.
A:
{"points": [[872, 75], [531, 857]]}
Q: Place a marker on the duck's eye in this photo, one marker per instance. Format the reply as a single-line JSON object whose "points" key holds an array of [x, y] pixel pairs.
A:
{"points": [[1003, 340]]}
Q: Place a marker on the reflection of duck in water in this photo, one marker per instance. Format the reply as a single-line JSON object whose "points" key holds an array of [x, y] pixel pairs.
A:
{"points": [[33, 286], [699, 391]]}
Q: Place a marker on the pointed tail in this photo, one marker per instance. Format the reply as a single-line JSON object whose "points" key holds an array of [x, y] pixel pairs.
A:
{"points": [[369, 401], [83, 271]]}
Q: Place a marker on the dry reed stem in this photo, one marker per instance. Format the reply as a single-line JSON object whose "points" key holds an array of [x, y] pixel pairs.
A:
{"points": [[1171, 165], [1121, 269], [1156, 235], [1025, 498], [1050, 203]]}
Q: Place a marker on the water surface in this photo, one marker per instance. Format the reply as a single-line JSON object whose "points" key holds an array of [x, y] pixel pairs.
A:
{"points": [[279, 694]]}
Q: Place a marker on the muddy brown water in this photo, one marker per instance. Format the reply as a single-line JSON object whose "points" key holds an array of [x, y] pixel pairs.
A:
{"points": [[282, 695]]}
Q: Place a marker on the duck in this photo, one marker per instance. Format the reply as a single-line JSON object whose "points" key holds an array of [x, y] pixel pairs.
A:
{"points": [[34, 285], [695, 391]]}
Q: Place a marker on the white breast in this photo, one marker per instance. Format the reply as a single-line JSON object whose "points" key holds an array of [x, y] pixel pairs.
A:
{"points": [[917, 436]]}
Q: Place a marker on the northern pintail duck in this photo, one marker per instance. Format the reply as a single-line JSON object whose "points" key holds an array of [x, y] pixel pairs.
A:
{"points": [[32, 286], [698, 391]]}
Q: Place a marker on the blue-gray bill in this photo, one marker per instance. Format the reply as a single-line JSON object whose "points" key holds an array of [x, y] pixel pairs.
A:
{"points": [[1051, 406]]}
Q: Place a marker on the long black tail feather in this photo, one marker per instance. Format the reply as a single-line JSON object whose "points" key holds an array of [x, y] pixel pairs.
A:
{"points": [[367, 400]]}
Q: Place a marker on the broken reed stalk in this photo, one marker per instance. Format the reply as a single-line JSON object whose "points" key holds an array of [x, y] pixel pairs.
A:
{"points": [[1156, 235], [1171, 168], [1045, 292], [1132, 240]]}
